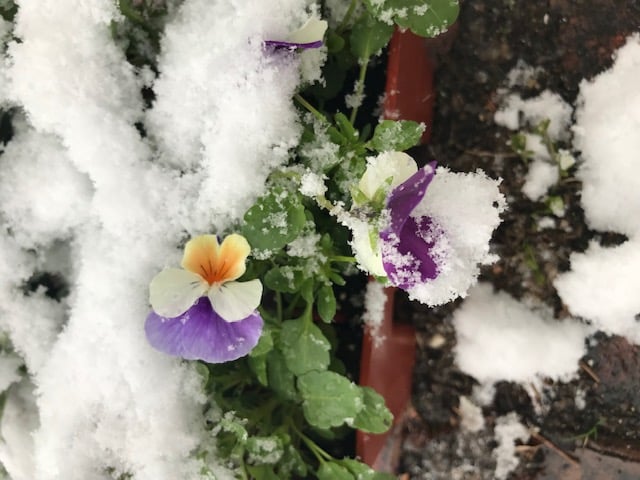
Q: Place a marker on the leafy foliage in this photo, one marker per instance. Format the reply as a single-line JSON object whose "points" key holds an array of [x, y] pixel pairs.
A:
{"points": [[270, 411]]}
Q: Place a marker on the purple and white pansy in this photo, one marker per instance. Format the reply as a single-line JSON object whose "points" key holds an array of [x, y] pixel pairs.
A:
{"points": [[427, 240], [396, 247], [310, 35], [200, 311]]}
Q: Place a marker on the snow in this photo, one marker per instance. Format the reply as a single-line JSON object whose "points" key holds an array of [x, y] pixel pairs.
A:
{"points": [[516, 113], [540, 177], [602, 286], [471, 418], [507, 431], [499, 338], [229, 87], [602, 283], [79, 185], [606, 132], [546, 106], [467, 220], [375, 299]]}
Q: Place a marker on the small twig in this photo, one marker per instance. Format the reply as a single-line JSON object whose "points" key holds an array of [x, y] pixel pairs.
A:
{"points": [[552, 446], [485, 153], [584, 366]]}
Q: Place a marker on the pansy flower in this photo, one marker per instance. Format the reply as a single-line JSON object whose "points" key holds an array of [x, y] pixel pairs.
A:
{"points": [[200, 311], [310, 35], [399, 247]]}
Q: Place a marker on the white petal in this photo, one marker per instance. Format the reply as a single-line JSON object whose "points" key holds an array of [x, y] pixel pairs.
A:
{"points": [[174, 290], [312, 31], [235, 301], [368, 259], [395, 165]]}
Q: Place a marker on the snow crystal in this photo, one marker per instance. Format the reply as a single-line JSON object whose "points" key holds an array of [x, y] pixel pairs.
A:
{"points": [[606, 132], [375, 299], [471, 418], [9, 365], [546, 106], [312, 185], [42, 195], [602, 286], [19, 421], [546, 222], [304, 246], [507, 431], [540, 177], [580, 399], [466, 207], [522, 75], [501, 339]]}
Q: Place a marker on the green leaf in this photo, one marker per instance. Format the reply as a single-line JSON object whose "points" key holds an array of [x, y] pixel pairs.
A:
{"points": [[326, 303], [333, 471], [304, 346], [334, 42], [281, 379], [426, 19], [329, 399], [294, 461], [265, 344], [262, 472], [258, 366], [396, 135], [343, 123], [275, 220], [306, 290], [374, 417], [284, 279], [369, 36], [203, 371]]}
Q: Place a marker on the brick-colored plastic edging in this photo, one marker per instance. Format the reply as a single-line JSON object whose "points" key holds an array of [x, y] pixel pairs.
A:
{"points": [[387, 366]]}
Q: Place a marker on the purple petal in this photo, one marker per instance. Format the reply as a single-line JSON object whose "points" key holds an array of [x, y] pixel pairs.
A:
{"points": [[292, 45], [406, 243], [406, 196], [201, 334]]}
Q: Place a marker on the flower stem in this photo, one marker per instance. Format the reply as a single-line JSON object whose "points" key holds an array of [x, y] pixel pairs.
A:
{"points": [[317, 451], [347, 16], [359, 90], [298, 98], [343, 259], [279, 307]]}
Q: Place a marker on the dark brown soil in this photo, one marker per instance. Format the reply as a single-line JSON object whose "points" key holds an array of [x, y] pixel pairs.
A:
{"points": [[570, 41]]}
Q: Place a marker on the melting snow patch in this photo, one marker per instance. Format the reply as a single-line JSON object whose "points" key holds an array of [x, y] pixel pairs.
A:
{"points": [[499, 338], [507, 431]]}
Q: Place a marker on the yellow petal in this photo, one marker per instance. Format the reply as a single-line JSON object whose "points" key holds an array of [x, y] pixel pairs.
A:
{"points": [[200, 256], [216, 263], [231, 258]]}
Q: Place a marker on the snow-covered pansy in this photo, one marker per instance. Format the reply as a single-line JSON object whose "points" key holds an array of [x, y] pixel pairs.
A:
{"points": [[399, 246], [200, 311], [310, 35], [427, 241]]}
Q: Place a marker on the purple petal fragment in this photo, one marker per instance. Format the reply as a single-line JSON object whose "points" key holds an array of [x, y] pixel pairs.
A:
{"points": [[201, 334], [406, 243], [292, 45]]}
